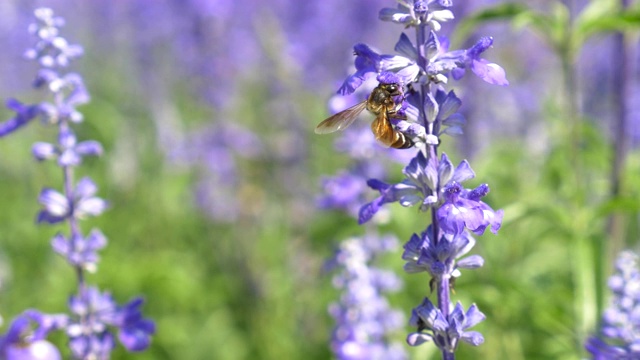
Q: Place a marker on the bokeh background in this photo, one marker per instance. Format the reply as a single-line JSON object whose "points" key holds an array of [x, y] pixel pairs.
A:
{"points": [[206, 110]]}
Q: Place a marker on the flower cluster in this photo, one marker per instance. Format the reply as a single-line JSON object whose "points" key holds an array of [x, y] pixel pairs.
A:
{"points": [[93, 314], [364, 317], [432, 183], [621, 321]]}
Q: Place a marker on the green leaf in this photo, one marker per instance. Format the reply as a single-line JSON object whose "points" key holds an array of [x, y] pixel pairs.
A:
{"points": [[505, 11]]}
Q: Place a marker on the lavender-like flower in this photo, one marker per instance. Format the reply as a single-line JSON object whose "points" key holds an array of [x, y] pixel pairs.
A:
{"points": [[94, 315], [432, 183], [619, 337], [364, 317]]}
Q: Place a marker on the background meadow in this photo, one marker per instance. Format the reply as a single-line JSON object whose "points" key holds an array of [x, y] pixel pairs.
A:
{"points": [[206, 110]]}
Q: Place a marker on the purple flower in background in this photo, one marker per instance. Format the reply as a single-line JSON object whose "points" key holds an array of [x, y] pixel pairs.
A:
{"points": [[58, 207], [618, 338], [90, 337], [68, 151], [363, 316], [26, 337], [93, 314], [80, 251], [24, 115], [215, 152]]}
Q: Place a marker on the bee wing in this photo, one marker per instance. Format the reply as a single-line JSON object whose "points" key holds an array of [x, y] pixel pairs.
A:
{"points": [[341, 120], [382, 129]]}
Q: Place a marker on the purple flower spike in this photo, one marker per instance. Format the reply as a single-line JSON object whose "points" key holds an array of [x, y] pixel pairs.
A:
{"points": [[618, 338], [423, 112]]}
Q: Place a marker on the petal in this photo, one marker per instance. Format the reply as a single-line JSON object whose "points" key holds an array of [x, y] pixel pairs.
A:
{"points": [[85, 188], [368, 210], [472, 337], [54, 202], [463, 172], [89, 147], [394, 15], [473, 316], [450, 105], [69, 158], [415, 339], [431, 108], [471, 262], [92, 206], [406, 48], [36, 350], [442, 15], [489, 72], [43, 151]]}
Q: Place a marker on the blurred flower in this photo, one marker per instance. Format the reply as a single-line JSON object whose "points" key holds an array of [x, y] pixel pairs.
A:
{"points": [[92, 311], [24, 114], [26, 337], [68, 151], [95, 311], [214, 151], [82, 203], [619, 337], [80, 251], [364, 317]]}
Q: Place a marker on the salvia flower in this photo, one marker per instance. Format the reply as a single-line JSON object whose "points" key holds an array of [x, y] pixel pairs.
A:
{"points": [[58, 207], [363, 316], [98, 311], [445, 331], [26, 337], [619, 337], [440, 258], [424, 112], [94, 315]]}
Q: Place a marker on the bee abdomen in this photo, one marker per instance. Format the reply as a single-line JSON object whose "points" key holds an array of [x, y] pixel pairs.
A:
{"points": [[402, 141]]}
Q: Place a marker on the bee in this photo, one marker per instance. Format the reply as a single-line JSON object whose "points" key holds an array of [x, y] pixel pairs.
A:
{"points": [[382, 104]]}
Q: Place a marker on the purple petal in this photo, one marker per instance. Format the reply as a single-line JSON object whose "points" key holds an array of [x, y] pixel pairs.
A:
{"points": [[92, 206], [415, 339], [472, 337], [471, 262], [137, 337], [473, 316], [463, 172], [37, 350], [54, 202], [368, 210], [489, 72], [394, 15], [89, 147], [69, 158], [85, 188], [406, 48], [43, 151]]}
